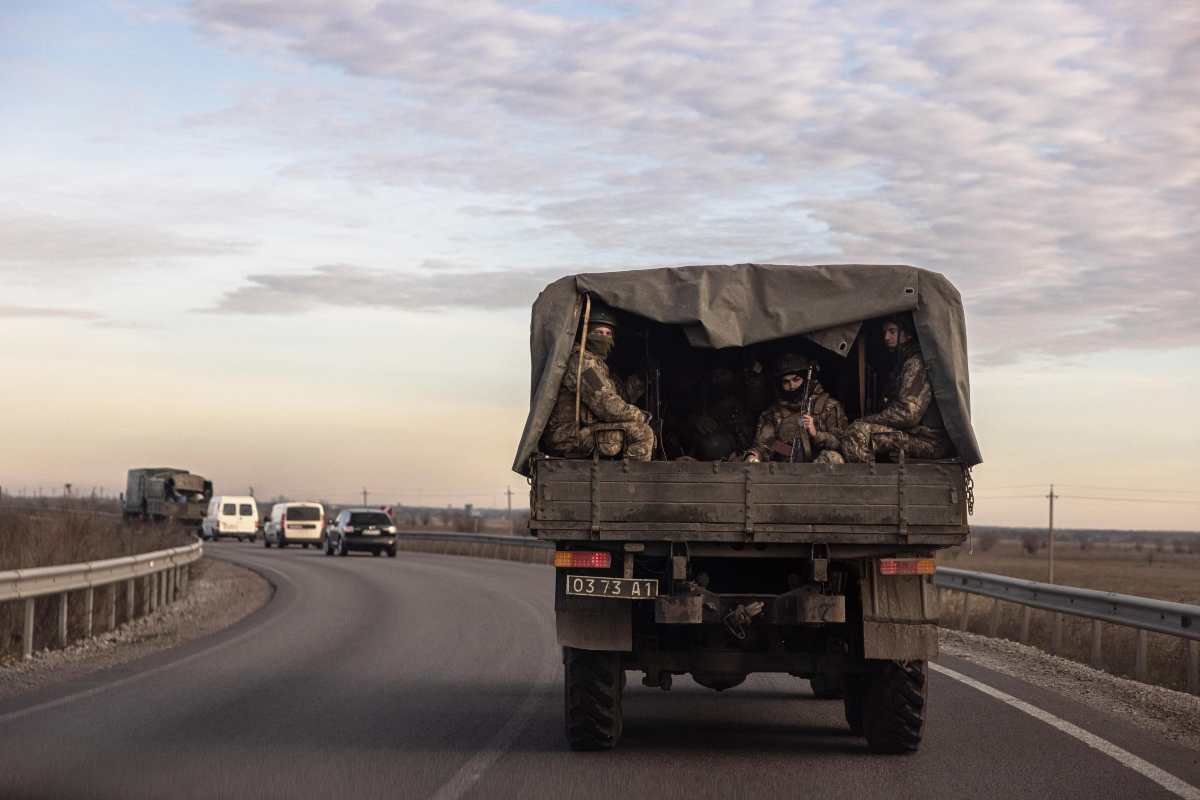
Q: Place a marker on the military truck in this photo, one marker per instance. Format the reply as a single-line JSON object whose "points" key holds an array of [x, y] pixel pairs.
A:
{"points": [[167, 494], [720, 569]]}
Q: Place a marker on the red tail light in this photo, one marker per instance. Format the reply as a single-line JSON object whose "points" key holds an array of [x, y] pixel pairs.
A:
{"points": [[583, 559], [907, 566]]}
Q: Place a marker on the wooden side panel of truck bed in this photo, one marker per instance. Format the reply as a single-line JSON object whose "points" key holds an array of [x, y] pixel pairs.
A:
{"points": [[913, 503]]}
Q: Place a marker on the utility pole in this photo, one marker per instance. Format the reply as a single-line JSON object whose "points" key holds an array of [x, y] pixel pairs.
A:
{"points": [[364, 495], [508, 491], [252, 491], [1051, 497]]}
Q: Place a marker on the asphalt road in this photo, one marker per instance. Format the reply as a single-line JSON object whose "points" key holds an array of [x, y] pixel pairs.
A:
{"points": [[433, 676]]}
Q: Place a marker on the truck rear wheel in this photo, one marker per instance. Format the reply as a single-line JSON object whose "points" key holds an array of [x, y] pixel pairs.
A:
{"points": [[893, 707], [593, 683]]}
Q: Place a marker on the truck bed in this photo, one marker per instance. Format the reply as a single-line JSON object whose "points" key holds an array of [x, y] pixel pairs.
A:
{"points": [[915, 503]]}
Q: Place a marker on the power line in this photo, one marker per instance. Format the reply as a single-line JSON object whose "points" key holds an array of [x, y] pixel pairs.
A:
{"points": [[1121, 489], [1011, 496], [1021, 486], [1132, 500]]}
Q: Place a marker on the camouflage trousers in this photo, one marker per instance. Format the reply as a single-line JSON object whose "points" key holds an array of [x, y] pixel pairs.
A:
{"points": [[862, 440], [829, 457], [636, 439]]}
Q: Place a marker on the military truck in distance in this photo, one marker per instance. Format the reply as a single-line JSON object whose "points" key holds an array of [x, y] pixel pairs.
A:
{"points": [[719, 569], [167, 494]]}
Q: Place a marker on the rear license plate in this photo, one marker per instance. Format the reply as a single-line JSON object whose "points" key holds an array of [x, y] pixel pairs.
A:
{"points": [[619, 588]]}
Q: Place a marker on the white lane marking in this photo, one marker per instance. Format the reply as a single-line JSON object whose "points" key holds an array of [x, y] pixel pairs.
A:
{"points": [[1164, 779], [469, 774], [141, 675]]}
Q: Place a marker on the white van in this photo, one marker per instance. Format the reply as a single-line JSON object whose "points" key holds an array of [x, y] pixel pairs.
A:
{"points": [[231, 517], [295, 523]]}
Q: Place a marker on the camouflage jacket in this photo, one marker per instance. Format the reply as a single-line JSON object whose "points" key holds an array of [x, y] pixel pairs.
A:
{"points": [[783, 421], [910, 401], [601, 399]]}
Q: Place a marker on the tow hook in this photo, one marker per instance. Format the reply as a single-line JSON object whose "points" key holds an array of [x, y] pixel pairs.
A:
{"points": [[661, 681], [741, 616]]}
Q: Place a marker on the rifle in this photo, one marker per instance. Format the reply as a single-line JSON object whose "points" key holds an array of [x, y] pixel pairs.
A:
{"points": [[802, 444], [653, 399]]}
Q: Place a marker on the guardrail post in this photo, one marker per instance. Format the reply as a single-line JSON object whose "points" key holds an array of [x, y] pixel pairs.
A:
{"points": [[1026, 611], [130, 598], [1193, 667], [151, 587], [1139, 660], [89, 609], [963, 617], [27, 634], [1097, 659], [112, 606], [994, 623], [170, 576], [62, 619], [1056, 636]]}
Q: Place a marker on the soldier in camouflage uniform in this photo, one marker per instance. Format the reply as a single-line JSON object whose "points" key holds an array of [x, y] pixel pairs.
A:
{"points": [[780, 427], [910, 420], [608, 420]]}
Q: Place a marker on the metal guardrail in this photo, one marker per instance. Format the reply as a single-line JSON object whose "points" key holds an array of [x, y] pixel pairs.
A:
{"points": [[1141, 613], [163, 572], [484, 545]]}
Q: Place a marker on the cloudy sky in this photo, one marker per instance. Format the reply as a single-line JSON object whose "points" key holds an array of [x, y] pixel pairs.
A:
{"points": [[292, 243]]}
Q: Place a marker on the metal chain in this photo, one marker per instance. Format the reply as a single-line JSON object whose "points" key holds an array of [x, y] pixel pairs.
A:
{"points": [[970, 493]]}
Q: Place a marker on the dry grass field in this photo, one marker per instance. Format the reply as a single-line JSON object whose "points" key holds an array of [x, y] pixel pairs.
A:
{"points": [[1105, 566], [43, 538]]}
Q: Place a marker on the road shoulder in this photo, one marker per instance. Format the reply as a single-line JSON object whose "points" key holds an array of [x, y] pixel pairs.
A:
{"points": [[221, 594]]}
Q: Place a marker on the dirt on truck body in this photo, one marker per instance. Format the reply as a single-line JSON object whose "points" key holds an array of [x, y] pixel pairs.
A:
{"points": [[718, 567]]}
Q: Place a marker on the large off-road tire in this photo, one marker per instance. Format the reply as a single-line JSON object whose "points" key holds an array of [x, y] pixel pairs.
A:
{"points": [[855, 696], [592, 698], [894, 707]]}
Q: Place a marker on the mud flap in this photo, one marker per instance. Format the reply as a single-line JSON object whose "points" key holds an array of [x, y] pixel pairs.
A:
{"points": [[608, 628], [900, 616]]}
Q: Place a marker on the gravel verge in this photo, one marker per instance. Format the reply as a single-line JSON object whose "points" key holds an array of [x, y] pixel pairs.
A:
{"points": [[220, 594], [1173, 715]]}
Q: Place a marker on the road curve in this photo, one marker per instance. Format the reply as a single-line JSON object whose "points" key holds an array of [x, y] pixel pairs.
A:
{"points": [[434, 676]]}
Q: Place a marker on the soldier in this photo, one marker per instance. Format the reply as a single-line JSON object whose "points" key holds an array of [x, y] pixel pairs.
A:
{"points": [[910, 420], [721, 426], [780, 427], [608, 420]]}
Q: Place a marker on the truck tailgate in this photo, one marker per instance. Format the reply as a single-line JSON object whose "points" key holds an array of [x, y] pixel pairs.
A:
{"points": [[910, 503]]}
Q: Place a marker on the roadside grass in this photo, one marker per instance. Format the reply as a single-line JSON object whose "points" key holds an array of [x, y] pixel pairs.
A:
{"points": [[46, 538], [1103, 566]]}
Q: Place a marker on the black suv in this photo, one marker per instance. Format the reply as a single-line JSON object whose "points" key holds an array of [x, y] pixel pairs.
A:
{"points": [[361, 529]]}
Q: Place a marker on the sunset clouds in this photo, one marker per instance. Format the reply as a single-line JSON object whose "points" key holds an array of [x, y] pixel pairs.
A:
{"points": [[388, 185]]}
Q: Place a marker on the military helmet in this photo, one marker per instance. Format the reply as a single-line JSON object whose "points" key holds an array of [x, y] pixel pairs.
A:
{"points": [[602, 315], [792, 363]]}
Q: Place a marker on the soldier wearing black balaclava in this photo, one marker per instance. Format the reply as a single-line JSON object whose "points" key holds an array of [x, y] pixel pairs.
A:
{"points": [[783, 426]]}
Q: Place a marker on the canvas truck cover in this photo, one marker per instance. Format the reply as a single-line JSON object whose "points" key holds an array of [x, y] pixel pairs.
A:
{"points": [[745, 304]]}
